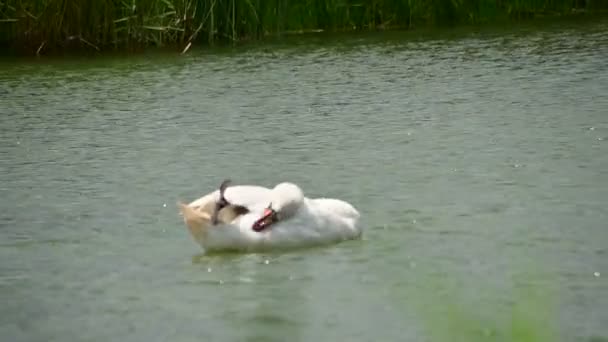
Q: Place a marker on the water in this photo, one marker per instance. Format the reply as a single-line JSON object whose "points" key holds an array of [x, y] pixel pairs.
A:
{"points": [[479, 162]]}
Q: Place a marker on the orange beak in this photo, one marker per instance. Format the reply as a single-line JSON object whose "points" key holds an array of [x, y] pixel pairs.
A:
{"points": [[268, 218]]}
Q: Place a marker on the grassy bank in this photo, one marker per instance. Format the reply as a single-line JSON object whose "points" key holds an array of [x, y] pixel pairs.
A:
{"points": [[46, 26]]}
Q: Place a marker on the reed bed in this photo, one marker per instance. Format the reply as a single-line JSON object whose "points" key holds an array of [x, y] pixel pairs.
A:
{"points": [[42, 26]]}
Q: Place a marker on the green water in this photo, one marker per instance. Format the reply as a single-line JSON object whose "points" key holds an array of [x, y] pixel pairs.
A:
{"points": [[479, 163]]}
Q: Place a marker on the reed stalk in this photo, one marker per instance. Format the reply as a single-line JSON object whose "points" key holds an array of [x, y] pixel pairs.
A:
{"points": [[42, 26]]}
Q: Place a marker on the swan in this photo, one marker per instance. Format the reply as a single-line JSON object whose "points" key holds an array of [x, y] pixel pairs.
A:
{"points": [[254, 218]]}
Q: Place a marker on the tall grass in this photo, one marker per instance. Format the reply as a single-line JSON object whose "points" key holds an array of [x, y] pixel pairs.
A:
{"points": [[40, 26], [531, 315]]}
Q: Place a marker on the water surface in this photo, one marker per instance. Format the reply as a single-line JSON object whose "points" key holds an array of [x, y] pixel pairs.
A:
{"points": [[479, 162]]}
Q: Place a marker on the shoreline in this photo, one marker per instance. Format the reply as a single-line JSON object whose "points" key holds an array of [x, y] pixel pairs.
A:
{"points": [[80, 47]]}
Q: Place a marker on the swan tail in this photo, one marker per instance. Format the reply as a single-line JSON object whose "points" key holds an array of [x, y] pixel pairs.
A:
{"points": [[196, 221]]}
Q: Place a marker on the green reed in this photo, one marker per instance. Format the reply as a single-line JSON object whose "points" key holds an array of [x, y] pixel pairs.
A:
{"points": [[531, 317], [521, 305], [40, 26]]}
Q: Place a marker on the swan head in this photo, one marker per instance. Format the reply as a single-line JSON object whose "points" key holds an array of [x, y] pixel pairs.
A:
{"points": [[286, 199]]}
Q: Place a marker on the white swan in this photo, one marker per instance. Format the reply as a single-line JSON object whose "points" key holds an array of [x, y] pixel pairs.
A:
{"points": [[254, 218]]}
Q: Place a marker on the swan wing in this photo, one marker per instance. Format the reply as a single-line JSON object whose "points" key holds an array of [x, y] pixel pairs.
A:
{"points": [[250, 196], [335, 207]]}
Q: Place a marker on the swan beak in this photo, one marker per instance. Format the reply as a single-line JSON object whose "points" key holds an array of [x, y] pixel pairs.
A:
{"points": [[268, 218]]}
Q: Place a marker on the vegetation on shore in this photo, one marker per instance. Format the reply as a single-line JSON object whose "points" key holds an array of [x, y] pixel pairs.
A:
{"points": [[44, 26]]}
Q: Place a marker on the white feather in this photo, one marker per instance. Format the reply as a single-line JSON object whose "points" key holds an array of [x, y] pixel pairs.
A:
{"points": [[302, 221]]}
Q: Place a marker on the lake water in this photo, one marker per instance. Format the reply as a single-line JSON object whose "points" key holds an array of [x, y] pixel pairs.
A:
{"points": [[478, 160]]}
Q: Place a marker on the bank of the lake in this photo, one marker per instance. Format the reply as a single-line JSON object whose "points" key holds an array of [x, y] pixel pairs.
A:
{"points": [[35, 27]]}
